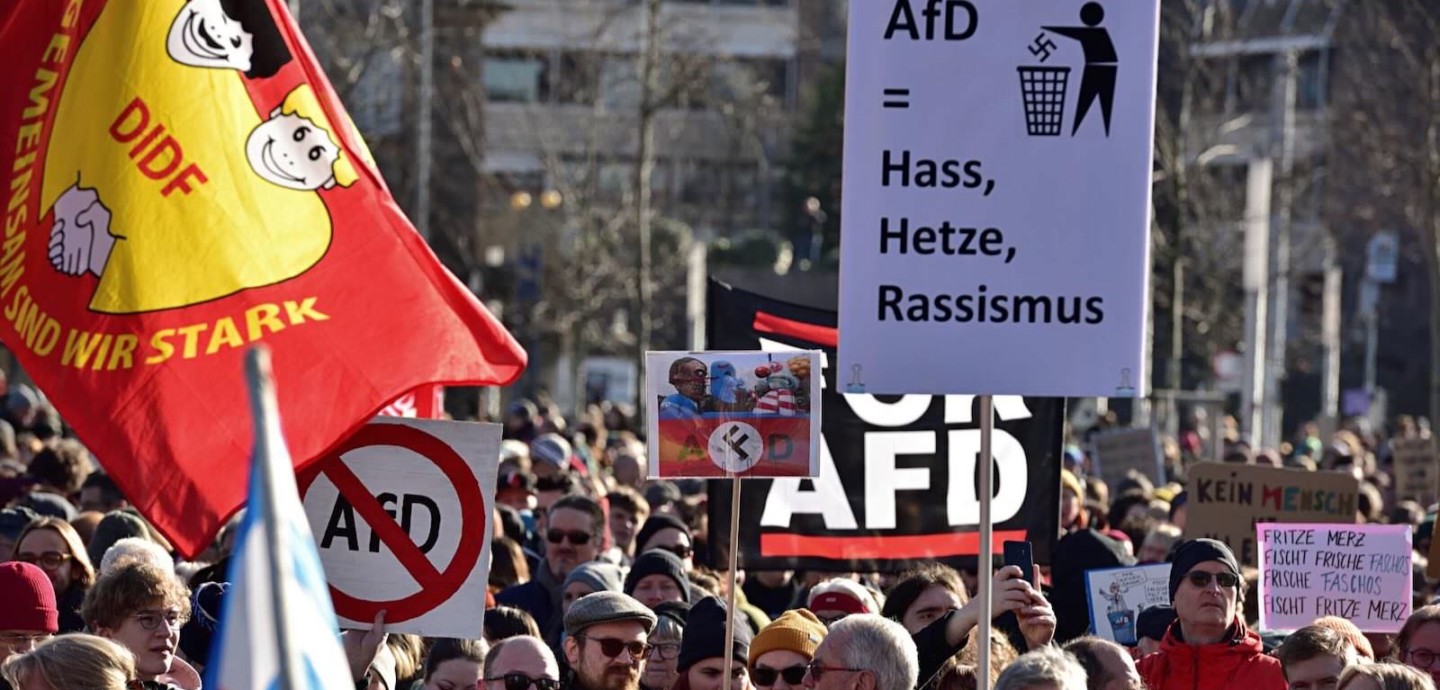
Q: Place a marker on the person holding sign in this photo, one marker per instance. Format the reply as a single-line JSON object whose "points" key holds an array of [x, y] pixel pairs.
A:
{"points": [[1209, 647]]}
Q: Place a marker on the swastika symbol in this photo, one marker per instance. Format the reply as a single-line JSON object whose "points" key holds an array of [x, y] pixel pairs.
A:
{"points": [[1042, 47], [735, 447]]}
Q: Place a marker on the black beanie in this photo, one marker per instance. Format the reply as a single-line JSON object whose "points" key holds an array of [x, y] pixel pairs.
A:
{"points": [[657, 562], [705, 635], [657, 523], [677, 611], [1154, 621], [1195, 552]]}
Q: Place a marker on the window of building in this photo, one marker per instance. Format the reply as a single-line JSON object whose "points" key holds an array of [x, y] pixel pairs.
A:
{"points": [[578, 78], [515, 77]]}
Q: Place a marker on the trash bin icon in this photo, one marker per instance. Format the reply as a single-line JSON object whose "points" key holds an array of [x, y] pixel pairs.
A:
{"points": [[1122, 625], [1043, 89]]}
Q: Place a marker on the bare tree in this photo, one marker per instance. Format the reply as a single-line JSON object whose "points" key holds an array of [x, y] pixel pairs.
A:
{"points": [[1385, 170]]}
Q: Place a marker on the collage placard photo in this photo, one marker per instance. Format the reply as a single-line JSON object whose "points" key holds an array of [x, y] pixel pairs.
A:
{"points": [[743, 414]]}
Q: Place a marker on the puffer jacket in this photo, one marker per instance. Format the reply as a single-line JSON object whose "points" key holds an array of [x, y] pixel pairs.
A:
{"points": [[1237, 662]]}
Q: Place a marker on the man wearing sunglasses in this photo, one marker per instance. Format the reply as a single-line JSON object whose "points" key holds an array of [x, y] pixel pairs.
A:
{"points": [[864, 652], [521, 663], [571, 537], [607, 640], [1208, 646]]}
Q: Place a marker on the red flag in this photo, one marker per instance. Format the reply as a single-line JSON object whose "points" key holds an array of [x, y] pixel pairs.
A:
{"points": [[181, 182]]}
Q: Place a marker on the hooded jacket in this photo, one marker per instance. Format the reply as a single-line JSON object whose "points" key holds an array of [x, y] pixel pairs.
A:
{"points": [[1237, 662]]}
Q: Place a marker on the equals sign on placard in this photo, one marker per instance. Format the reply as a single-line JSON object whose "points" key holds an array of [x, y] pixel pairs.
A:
{"points": [[897, 98]]}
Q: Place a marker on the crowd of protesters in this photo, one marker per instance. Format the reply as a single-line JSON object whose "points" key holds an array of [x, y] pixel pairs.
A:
{"points": [[603, 580]]}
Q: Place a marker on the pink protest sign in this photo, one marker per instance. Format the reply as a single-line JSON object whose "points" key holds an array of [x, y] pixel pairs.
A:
{"points": [[1358, 572]]}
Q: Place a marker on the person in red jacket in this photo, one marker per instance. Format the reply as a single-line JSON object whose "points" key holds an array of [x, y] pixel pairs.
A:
{"points": [[1208, 646]]}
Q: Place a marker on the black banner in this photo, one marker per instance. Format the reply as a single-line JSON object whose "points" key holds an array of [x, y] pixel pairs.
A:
{"points": [[885, 499]]}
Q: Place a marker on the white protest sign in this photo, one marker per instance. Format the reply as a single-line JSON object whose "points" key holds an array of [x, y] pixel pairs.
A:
{"points": [[1118, 595], [997, 196], [1357, 572], [401, 513]]}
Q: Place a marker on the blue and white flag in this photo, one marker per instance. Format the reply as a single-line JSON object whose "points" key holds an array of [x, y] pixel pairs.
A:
{"points": [[278, 612]]}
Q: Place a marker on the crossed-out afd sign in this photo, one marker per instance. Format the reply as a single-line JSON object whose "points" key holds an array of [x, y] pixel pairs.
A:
{"points": [[401, 516]]}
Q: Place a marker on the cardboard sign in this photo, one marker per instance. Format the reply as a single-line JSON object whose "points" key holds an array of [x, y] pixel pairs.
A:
{"points": [[1415, 471], [743, 414], [897, 484], [1117, 452], [996, 201], [1226, 501], [1361, 573], [1118, 595], [401, 515]]}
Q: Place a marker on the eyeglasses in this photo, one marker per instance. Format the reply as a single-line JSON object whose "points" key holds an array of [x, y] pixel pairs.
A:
{"points": [[151, 620], [576, 537], [765, 677], [1201, 579], [665, 650], [1422, 658], [832, 620], [50, 560], [520, 681], [818, 669], [19, 641], [611, 648], [681, 551]]}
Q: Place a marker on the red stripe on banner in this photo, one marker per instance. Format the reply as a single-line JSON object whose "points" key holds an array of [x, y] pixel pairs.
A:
{"points": [[881, 548], [824, 336]]}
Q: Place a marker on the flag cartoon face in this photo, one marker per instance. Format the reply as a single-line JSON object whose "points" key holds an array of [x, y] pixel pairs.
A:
{"points": [[294, 148], [203, 35], [181, 182]]}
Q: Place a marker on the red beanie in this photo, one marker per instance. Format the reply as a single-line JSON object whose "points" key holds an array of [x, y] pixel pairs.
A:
{"points": [[29, 602]]}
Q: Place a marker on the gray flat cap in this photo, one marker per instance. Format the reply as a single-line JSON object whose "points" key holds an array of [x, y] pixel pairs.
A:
{"points": [[606, 607]]}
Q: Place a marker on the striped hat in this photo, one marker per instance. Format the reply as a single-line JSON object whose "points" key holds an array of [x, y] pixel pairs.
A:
{"points": [[780, 402]]}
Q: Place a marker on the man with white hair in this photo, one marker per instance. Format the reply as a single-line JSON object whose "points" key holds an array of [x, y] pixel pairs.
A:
{"points": [[135, 550], [1047, 668], [864, 651]]}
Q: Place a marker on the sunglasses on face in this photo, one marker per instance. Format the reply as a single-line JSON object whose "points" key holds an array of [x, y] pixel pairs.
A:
{"points": [[520, 681], [818, 669], [50, 560], [576, 537], [765, 677], [611, 648], [1201, 579], [680, 550]]}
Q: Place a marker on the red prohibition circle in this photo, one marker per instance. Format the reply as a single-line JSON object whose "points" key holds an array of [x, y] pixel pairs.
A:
{"points": [[436, 586]]}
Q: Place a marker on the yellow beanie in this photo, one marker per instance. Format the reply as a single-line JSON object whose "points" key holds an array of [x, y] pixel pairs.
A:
{"points": [[796, 630], [1068, 480]]}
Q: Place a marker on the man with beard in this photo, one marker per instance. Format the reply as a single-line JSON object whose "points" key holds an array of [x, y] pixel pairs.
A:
{"points": [[1208, 646], [142, 607], [607, 640], [572, 536]]}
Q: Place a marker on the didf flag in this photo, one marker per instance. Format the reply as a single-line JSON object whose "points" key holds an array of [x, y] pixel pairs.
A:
{"points": [[181, 183]]}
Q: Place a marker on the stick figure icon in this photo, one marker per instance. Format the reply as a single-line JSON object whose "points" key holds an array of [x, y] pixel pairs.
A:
{"points": [[1101, 63]]}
